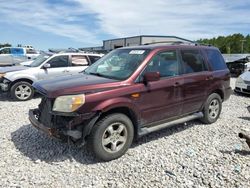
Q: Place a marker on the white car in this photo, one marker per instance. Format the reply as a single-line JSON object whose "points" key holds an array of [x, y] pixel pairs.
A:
{"points": [[242, 84], [18, 80]]}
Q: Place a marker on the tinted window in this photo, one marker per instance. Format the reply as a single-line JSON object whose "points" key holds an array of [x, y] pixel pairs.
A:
{"points": [[17, 51], [192, 61], [216, 60], [59, 61], [79, 60], [5, 51], [165, 63], [94, 58]]}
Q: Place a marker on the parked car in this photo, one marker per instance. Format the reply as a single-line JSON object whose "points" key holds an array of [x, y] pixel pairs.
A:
{"points": [[238, 66], [131, 92], [43, 53], [13, 56], [242, 84], [18, 79]]}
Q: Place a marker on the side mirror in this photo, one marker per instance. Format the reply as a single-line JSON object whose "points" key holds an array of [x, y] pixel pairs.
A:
{"points": [[46, 65], [151, 76]]}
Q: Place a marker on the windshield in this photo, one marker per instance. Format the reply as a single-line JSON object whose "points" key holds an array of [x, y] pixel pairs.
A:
{"points": [[39, 60], [118, 64]]}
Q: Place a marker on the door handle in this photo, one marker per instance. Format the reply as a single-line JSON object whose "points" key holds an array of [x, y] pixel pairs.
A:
{"points": [[176, 84], [209, 78], [65, 71]]}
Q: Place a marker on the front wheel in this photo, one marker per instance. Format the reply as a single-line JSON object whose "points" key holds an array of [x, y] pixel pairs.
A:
{"points": [[22, 91], [212, 109], [111, 137]]}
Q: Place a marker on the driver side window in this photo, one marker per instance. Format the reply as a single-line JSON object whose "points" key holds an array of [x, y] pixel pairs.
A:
{"points": [[59, 61], [166, 63]]}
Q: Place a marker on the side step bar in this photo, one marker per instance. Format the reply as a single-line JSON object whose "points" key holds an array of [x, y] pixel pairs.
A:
{"points": [[146, 130]]}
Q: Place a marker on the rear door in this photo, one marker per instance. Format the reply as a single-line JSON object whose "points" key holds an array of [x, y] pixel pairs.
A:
{"points": [[59, 66], [78, 63], [160, 100], [196, 80]]}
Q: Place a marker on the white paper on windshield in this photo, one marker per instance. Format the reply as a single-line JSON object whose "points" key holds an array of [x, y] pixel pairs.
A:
{"points": [[139, 52]]}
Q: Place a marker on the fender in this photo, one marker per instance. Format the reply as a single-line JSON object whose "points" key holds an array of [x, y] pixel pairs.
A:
{"points": [[118, 102], [13, 76]]}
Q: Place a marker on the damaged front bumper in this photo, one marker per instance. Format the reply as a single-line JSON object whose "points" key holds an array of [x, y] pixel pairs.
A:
{"points": [[77, 127], [4, 85]]}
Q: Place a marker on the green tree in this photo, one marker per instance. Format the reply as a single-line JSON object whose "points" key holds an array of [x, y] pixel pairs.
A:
{"points": [[236, 43]]}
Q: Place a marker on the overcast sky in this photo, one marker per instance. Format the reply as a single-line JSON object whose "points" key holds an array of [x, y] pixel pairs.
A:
{"points": [[80, 23]]}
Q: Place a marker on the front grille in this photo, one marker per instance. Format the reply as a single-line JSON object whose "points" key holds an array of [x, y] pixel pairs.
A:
{"points": [[45, 116], [246, 90]]}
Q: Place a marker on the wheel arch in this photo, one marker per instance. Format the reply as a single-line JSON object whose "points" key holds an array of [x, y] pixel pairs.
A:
{"points": [[21, 80], [219, 92]]}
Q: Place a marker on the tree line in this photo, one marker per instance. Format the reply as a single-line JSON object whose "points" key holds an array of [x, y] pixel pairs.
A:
{"points": [[231, 44], [5, 45]]}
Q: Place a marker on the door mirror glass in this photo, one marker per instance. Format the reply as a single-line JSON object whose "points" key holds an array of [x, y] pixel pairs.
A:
{"points": [[151, 76], [46, 65]]}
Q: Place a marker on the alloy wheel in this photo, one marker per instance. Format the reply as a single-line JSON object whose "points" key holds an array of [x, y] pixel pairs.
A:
{"points": [[23, 92], [114, 137]]}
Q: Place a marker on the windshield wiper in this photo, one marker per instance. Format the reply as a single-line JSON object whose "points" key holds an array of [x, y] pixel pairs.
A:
{"points": [[102, 75], [95, 73]]}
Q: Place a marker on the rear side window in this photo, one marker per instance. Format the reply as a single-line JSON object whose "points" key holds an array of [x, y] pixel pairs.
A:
{"points": [[17, 51], [94, 58], [216, 60], [192, 61], [79, 60], [59, 61]]}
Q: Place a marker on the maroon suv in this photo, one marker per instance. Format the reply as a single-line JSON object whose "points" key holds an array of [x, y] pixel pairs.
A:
{"points": [[131, 92]]}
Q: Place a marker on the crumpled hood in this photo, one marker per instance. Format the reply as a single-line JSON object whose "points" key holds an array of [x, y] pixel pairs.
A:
{"points": [[74, 84], [245, 76], [12, 69]]}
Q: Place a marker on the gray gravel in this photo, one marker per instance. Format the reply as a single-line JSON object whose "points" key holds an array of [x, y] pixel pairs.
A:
{"points": [[190, 155]]}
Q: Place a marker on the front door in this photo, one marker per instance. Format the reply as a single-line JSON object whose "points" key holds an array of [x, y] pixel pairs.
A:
{"points": [[59, 66], [6, 57], [160, 100], [196, 80]]}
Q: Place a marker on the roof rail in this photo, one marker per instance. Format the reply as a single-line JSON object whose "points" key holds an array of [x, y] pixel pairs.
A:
{"points": [[180, 43], [173, 43]]}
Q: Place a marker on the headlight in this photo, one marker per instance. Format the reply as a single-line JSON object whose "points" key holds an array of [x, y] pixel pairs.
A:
{"points": [[68, 103], [2, 75], [239, 80]]}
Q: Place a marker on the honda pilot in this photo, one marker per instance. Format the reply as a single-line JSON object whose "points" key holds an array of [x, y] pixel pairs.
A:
{"points": [[131, 92]]}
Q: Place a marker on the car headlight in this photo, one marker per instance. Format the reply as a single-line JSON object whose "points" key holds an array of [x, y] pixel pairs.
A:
{"points": [[239, 80], [68, 103], [2, 75]]}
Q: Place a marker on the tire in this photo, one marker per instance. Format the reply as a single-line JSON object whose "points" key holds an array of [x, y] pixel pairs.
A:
{"points": [[212, 109], [22, 91], [111, 137]]}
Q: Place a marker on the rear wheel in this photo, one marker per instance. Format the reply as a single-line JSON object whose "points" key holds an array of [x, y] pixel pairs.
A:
{"points": [[111, 137], [22, 91], [212, 109]]}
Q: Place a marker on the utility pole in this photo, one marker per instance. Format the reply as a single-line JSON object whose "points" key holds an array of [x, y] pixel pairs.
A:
{"points": [[242, 45]]}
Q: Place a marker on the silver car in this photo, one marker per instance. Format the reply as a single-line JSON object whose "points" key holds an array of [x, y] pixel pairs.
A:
{"points": [[242, 84], [18, 80]]}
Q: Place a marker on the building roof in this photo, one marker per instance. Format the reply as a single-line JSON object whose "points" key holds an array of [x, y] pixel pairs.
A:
{"points": [[159, 36]]}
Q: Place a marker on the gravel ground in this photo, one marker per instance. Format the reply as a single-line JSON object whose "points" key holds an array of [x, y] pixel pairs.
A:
{"points": [[190, 155]]}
